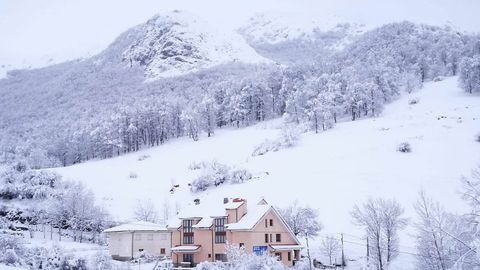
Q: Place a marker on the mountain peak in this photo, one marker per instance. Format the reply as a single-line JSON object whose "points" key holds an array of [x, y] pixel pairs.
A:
{"points": [[178, 42]]}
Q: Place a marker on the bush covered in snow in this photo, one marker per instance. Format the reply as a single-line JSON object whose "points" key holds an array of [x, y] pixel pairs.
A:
{"points": [[14, 252], [101, 261], [289, 137], [29, 184], [214, 174], [143, 157], [11, 249], [404, 147], [413, 101]]}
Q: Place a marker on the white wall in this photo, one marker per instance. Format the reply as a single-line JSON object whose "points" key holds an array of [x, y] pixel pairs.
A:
{"points": [[120, 243]]}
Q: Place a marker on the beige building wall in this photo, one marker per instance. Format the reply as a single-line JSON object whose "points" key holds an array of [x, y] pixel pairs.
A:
{"points": [[256, 237], [205, 238]]}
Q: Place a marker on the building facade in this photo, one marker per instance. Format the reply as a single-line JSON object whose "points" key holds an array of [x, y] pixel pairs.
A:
{"points": [[204, 235], [127, 241]]}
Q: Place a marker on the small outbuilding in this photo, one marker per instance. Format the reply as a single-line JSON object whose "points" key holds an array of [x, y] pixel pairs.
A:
{"points": [[126, 241]]}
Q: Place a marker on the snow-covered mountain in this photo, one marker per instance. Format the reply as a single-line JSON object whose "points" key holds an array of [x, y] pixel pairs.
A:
{"points": [[177, 43], [274, 28], [296, 38]]}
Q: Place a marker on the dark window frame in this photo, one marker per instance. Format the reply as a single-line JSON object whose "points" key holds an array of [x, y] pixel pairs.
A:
{"points": [[278, 237], [220, 232]]}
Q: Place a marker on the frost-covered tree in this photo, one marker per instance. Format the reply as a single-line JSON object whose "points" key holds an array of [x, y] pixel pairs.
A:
{"points": [[444, 240], [146, 211], [382, 220], [470, 74], [330, 247], [303, 221]]}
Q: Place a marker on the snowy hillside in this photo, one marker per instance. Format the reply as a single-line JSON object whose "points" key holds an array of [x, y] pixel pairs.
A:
{"points": [[176, 43], [274, 28], [298, 38], [330, 171]]}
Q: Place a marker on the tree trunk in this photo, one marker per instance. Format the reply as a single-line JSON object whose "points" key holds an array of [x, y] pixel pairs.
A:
{"points": [[308, 253]]}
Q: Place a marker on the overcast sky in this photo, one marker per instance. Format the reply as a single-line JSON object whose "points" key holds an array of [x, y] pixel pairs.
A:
{"points": [[33, 31]]}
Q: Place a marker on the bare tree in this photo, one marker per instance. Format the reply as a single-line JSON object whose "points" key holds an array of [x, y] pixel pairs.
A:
{"points": [[330, 247], [382, 220], [146, 211], [430, 235], [303, 221]]}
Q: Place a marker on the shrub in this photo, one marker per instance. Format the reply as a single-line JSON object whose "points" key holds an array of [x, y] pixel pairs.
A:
{"points": [[11, 258], [143, 157], [413, 101], [404, 147], [238, 176], [289, 137], [265, 147], [214, 174], [101, 261]]}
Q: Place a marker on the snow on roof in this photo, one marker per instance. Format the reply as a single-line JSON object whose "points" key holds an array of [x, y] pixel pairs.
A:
{"points": [[233, 204], [181, 249], [137, 226], [286, 247], [254, 214], [205, 222]]}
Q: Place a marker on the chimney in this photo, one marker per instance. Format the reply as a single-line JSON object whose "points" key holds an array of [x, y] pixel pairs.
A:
{"points": [[196, 201], [225, 200]]}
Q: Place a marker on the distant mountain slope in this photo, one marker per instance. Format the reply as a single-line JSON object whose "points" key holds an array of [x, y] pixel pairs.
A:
{"points": [[298, 38]]}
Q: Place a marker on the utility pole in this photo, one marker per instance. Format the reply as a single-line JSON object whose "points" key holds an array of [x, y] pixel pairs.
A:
{"points": [[343, 253]]}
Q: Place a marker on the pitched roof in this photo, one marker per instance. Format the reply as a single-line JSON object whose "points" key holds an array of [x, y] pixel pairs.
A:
{"points": [[136, 227], [253, 216]]}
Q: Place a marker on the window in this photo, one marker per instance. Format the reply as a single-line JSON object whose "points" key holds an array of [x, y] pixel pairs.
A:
{"points": [[220, 238], [188, 258], [220, 233], [221, 257], [266, 238], [266, 223], [187, 225], [187, 231], [162, 251], [271, 222], [138, 237], [289, 256], [278, 237], [150, 236], [209, 255], [188, 238], [271, 239]]}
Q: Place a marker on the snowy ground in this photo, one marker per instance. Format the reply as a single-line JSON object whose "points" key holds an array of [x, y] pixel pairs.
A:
{"points": [[331, 171]]}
